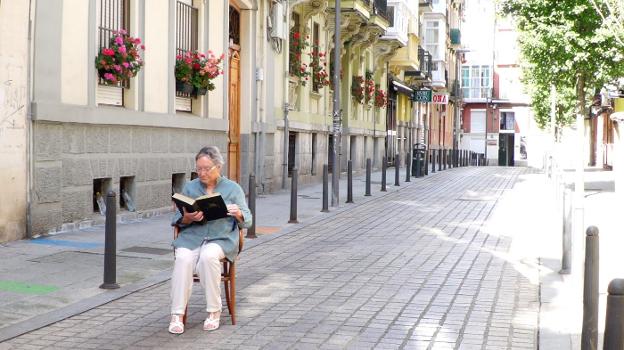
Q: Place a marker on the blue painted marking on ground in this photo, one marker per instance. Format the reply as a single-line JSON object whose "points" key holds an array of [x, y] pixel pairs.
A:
{"points": [[62, 243]]}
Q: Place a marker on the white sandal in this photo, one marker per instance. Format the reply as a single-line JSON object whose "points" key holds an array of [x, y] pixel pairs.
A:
{"points": [[212, 322], [176, 326]]}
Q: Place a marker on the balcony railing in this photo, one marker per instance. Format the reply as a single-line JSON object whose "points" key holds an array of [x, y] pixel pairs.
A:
{"points": [[424, 57], [475, 92], [455, 89]]}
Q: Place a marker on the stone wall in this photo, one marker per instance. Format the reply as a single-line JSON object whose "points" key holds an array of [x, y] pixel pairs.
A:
{"points": [[69, 157]]}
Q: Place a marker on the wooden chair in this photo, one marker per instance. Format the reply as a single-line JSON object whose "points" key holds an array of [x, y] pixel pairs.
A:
{"points": [[228, 277]]}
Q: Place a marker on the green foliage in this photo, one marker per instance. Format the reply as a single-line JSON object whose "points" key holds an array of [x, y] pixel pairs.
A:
{"points": [[564, 43]]}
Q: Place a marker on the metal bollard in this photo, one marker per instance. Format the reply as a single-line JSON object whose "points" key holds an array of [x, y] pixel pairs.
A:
{"points": [[293, 198], [349, 181], [417, 163], [589, 335], [440, 160], [444, 158], [408, 167], [110, 243], [566, 241], [614, 324], [433, 160], [397, 162], [368, 177], [426, 160], [251, 232], [383, 174], [325, 208]]}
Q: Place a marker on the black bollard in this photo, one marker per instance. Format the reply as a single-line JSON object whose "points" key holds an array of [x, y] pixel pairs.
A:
{"points": [[589, 335], [433, 161], [110, 243], [426, 160], [293, 198], [251, 232], [444, 159], [397, 162], [440, 159], [614, 324], [325, 189], [417, 164], [408, 167], [349, 181], [368, 177], [383, 174]]}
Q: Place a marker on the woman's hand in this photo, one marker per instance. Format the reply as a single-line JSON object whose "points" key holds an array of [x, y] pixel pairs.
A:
{"points": [[191, 217], [234, 210]]}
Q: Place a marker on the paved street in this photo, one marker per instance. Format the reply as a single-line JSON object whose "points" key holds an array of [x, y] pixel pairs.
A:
{"points": [[432, 266]]}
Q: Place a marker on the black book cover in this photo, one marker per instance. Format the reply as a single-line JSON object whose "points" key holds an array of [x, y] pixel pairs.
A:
{"points": [[212, 205]]}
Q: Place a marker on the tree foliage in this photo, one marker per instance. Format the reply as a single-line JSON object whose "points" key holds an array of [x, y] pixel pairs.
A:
{"points": [[564, 43]]}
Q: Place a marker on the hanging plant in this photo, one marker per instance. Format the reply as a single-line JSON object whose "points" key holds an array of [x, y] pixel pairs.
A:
{"points": [[195, 71], [381, 98], [297, 68], [318, 63], [369, 88], [121, 60]]}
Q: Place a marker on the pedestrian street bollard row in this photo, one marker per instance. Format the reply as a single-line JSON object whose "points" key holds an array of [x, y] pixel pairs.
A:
{"points": [[383, 174], [589, 335], [349, 181], [325, 208], [397, 162], [293, 198], [614, 323], [408, 166], [110, 243], [251, 231], [368, 176]]}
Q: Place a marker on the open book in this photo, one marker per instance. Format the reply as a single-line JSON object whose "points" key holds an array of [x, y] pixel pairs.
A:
{"points": [[212, 205]]}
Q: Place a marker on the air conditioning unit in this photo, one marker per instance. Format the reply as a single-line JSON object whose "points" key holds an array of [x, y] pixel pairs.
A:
{"points": [[278, 27]]}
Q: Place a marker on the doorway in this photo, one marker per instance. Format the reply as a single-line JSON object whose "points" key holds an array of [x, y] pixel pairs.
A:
{"points": [[234, 97], [506, 149]]}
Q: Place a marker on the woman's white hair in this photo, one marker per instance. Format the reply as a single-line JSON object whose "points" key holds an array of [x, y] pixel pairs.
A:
{"points": [[213, 153]]}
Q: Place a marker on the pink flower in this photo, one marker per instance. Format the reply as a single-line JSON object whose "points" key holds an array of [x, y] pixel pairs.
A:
{"points": [[142, 47], [109, 76], [137, 40], [122, 50], [108, 52], [126, 64], [117, 67], [119, 40]]}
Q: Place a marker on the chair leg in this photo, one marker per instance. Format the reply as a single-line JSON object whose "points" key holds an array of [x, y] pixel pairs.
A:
{"points": [[232, 303], [226, 283]]}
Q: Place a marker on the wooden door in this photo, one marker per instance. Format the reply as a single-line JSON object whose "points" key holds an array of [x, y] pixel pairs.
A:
{"points": [[234, 113]]}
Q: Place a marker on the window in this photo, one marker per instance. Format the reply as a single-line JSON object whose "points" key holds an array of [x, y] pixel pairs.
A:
{"points": [[507, 121], [113, 16], [316, 82], [186, 40], [432, 33], [476, 81], [391, 15]]}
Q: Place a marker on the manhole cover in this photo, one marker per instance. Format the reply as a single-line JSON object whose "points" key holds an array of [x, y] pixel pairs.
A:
{"points": [[147, 250]]}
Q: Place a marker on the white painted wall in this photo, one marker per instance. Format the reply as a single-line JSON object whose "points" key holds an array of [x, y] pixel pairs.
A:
{"points": [[13, 122], [75, 52], [156, 56]]}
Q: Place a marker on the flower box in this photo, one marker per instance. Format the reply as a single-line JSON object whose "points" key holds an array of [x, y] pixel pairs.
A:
{"points": [[184, 87]]}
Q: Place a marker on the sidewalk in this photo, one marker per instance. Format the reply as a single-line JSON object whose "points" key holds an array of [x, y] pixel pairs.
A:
{"points": [[446, 262], [48, 279]]}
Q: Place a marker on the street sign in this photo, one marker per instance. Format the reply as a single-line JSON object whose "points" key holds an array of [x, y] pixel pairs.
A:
{"points": [[440, 98], [421, 96]]}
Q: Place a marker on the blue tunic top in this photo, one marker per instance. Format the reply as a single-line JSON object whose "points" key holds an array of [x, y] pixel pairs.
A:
{"points": [[223, 232]]}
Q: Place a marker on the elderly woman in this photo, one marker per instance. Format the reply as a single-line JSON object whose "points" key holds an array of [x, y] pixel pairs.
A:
{"points": [[200, 245]]}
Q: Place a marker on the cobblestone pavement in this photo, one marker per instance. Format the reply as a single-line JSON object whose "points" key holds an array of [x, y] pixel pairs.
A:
{"points": [[428, 267]]}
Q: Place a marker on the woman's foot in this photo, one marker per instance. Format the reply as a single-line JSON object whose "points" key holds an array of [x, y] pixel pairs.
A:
{"points": [[212, 322], [176, 326]]}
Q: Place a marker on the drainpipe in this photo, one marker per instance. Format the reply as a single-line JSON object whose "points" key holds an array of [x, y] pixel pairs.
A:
{"points": [[254, 90], [29, 123]]}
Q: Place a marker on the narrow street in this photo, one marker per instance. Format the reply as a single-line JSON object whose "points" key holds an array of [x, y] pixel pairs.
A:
{"points": [[444, 263]]}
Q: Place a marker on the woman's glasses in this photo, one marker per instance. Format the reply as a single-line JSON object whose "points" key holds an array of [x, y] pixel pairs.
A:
{"points": [[204, 170]]}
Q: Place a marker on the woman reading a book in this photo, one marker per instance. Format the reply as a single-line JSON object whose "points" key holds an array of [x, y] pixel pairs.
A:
{"points": [[202, 242]]}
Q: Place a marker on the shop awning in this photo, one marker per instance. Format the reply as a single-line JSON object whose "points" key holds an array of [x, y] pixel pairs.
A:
{"points": [[404, 89]]}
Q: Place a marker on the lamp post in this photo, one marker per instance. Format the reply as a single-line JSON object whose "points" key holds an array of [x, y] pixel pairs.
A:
{"points": [[485, 140]]}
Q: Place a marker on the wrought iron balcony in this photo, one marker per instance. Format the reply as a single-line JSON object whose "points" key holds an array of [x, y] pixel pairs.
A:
{"points": [[424, 71]]}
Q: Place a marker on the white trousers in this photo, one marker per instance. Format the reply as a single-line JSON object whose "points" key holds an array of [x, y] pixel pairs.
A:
{"points": [[206, 260]]}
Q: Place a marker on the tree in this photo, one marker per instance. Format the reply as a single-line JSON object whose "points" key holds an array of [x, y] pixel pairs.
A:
{"points": [[612, 14], [564, 43]]}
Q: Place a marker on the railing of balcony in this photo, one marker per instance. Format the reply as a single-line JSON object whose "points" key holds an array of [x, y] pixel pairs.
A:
{"points": [[475, 92]]}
